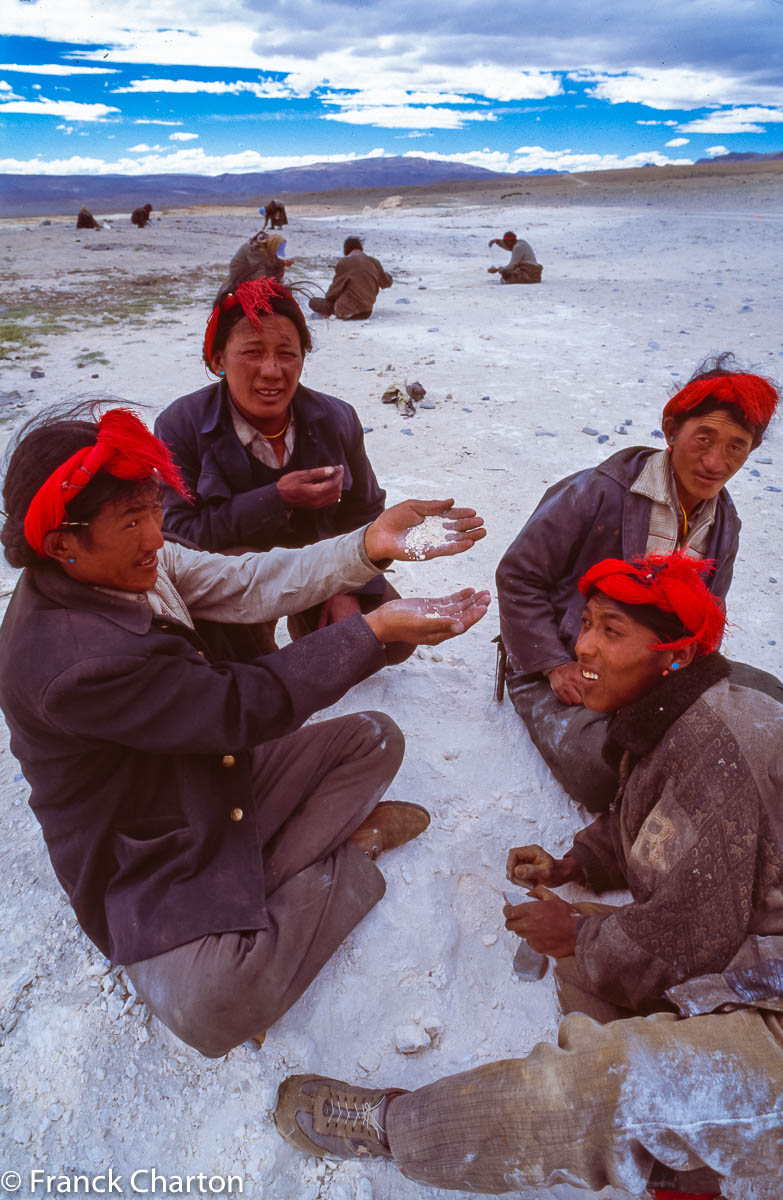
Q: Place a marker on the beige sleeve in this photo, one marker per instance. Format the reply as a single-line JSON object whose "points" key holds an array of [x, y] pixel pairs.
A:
{"points": [[260, 586]]}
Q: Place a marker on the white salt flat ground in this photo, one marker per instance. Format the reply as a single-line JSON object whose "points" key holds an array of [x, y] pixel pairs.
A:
{"points": [[634, 295]]}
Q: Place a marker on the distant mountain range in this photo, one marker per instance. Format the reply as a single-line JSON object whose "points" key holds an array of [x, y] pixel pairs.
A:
{"points": [[47, 195], [28, 195], [737, 156]]}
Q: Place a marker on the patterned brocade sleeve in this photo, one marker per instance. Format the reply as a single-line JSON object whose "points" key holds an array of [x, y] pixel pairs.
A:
{"points": [[691, 867]]}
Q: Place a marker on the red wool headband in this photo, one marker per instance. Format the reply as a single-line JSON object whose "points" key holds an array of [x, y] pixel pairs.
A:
{"points": [[753, 395], [670, 582], [255, 296], [124, 448]]}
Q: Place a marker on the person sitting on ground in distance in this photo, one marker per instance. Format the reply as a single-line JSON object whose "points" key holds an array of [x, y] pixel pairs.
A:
{"points": [[692, 1093], [141, 216], [523, 266], [206, 841], [639, 501], [270, 462], [274, 214], [260, 258], [358, 277], [85, 219]]}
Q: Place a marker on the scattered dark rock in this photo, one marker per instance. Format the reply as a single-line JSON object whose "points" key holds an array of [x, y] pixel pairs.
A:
{"points": [[435, 329], [408, 431], [366, 428], [628, 421], [402, 300], [756, 474], [765, 461], [620, 429], [486, 397], [416, 391], [37, 373], [770, 488], [602, 437], [745, 308], [590, 432], [656, 433], [426, 404], [467, 410], [545, 433]]}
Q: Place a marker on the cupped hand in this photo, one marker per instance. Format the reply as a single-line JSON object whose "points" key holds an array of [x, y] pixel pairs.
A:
{"points": [[531, 865], [386, 537], [427, 622], [566, 682], [311, 489], [548, 925]]}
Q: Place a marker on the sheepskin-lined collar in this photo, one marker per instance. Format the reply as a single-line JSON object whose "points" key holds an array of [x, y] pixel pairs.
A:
{"points": [[638, 728]]}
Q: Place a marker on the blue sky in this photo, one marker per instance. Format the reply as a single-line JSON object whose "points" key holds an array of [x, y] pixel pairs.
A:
{"points": [[103, 86]]}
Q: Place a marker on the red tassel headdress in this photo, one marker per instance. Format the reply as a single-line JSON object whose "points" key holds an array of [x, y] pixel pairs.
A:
{"points": [[672, 583], [756, 398], [124, 448], [255, 297]]}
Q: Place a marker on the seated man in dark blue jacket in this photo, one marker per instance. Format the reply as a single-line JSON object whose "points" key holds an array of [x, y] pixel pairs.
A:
{"points": [[640, 501], [270, 462]]}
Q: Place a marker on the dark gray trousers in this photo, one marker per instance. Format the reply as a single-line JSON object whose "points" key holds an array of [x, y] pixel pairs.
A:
{"points": [[313, 789]]}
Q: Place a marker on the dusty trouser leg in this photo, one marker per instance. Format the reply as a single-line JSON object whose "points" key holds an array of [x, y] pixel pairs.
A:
{"points": [[602, 1107], [324, 308], [568, 737], [521, 273], [314, 788], [744, 675], [302, 623]]}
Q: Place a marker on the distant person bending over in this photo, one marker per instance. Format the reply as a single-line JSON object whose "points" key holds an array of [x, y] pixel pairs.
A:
{"points": [[141, 216], [523, 266], [259, 258], [268, 461], [274, 214], [206, 841], [85, 219], [357, 280], [679, 1100], [639, 501]]}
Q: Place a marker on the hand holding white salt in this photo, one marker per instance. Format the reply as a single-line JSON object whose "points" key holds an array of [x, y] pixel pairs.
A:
{"points": [[430, 534]]}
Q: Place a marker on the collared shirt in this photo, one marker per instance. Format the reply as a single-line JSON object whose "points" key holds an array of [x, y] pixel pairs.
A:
{"points": [[656, 482], [259, 446]]}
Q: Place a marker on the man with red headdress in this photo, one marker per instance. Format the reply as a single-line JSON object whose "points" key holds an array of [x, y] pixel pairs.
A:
{"points": [[638, 501], [206, 841], [691, 1094]]}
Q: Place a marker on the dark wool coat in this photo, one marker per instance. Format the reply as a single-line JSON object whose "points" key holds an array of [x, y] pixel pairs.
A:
{"points": [[584, 518], [696, 836], [236, 498], [136, 748]]}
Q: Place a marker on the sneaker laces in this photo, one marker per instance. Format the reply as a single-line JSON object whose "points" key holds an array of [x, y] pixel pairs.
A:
{"points": [[352, 1117]]}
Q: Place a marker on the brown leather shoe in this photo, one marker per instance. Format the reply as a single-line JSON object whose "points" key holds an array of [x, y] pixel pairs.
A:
{"points": [[326, 1117], [388, 826]]}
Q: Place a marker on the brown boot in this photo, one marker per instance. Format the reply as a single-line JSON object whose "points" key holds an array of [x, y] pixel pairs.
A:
{"points": [[326, 1117], [389, 825]]}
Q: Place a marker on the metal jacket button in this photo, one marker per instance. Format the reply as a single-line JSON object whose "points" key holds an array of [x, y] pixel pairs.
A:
{"points": [[236, 814], [228, 760]]}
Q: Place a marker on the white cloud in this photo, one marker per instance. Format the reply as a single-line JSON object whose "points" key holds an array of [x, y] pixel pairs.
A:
{"points": [[66, 129], [536, 158], [716, 151], [734, 120], [388, 96], [143, 148], [7, 92], [189, 161], [56, 69], [182, 137], [678, 142], [676, 88], [406, 117], [269, 88], [69, 110], [155, 121]]}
